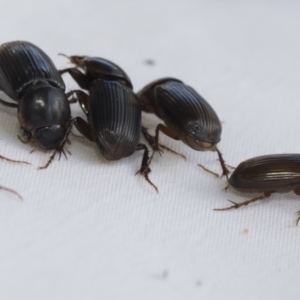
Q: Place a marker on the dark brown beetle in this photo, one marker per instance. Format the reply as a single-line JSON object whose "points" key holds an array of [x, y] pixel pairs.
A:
{"points": [[267, 174], [28, 76], [114, 119], [188, 117]]}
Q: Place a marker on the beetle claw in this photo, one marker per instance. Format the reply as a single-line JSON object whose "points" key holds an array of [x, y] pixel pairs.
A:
{"points": [[144, 171]]}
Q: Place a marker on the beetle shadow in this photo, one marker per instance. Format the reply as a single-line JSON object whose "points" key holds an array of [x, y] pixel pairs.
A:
{"points": [[9, 110], [9, 121]]}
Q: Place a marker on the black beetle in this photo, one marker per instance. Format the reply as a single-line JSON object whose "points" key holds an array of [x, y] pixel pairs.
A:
{"points": [[267, 174], [188, 117], [28, 76], [114, 119]]}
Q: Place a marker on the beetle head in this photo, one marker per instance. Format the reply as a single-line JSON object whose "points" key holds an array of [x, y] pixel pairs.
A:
{"points": [[44, 112], [50, 137], [198, 144]]}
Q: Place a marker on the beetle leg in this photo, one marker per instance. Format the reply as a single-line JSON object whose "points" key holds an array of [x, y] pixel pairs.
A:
{"points": [[153, 140], [49, 161], [28, 136], [73, 99], [145, 170], [11, 191], [238, 205], [83, 99], [9, 104], [209, 171], [14, 161], [223, 165], [84, 128], [60, 148], [78, 76]]}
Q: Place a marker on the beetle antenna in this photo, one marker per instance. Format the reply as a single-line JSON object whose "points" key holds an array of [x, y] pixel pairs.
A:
{"points": [[62, 54]]}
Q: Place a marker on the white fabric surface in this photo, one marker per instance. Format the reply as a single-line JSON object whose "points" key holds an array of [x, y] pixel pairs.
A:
{"points": [[91, 229]]}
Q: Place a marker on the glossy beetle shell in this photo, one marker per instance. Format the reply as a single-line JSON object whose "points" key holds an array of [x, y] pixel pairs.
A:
{"points": [[111, 109], [97, 67], [23, 64], [116, 121], [268, 173], [184, 111]]}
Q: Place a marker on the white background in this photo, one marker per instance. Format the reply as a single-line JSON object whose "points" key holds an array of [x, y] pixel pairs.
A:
{"points": [[91, 229]]}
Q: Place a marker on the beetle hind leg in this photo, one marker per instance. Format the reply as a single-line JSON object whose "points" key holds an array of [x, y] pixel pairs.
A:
{"points": [[49, 161], [77, 75], [238, 205], [145, 169]]}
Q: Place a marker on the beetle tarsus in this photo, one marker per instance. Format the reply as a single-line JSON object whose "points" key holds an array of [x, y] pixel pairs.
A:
{"points": [[207, 170], [238, 205], [172, 151], [145, 170], [58, 151]]}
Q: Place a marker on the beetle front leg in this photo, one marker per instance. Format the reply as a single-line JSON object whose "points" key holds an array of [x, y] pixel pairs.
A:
{"points": [[83, 99], [153, 140], [145, 170], [238, 205], [60, 149], [78, 76]]}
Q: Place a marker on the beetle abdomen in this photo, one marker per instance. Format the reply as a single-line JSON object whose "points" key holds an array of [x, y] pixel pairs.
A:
{"points": [[183, 106], [115, 118], [21, 64], [268, 173]]}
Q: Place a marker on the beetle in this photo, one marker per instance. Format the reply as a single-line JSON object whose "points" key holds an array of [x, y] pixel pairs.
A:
{"points": [[267, 174], [114, 119], [29, 77], [187, 116]]}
